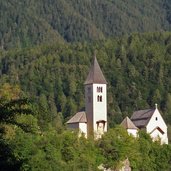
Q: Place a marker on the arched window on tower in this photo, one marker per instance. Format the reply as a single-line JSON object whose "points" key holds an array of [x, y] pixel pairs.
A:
{"points": [[101, 89], [100, 98]]}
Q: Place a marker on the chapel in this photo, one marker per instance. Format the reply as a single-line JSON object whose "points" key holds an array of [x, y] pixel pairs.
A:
{"points": [[93, 121]]}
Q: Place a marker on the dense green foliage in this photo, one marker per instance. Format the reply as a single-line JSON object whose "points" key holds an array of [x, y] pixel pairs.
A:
{"points": [[15, 113], [137, 69], [116, 145], [34, 149], [50, 150], [24, 23]]}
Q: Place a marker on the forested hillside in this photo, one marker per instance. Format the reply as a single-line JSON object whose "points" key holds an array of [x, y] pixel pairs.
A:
{"points": [[25, 23], [137, 69], [27, 146], [46, 49]]}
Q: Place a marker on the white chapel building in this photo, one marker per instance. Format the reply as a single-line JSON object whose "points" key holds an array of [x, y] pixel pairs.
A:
{"points": [[149, 120], [152, 122], [93, 121]]}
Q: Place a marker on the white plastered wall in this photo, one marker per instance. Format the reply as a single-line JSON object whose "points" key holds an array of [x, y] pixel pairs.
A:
{"points": [[157, 121], [83, 129], [95, 110], [156, 134], [132, 132], [99, 108]]}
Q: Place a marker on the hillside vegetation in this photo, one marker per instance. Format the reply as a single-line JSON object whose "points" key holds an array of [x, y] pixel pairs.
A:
{"points": [[46, 49], [26, 23], [24, 145], [137, 69]]}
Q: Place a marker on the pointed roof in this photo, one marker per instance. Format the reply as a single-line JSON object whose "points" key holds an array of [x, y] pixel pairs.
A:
{"points": [[128, 124], [79, 117], [95, 74], [141, 118]]}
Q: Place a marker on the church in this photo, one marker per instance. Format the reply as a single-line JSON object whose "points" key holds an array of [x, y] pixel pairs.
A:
{"points": [[93, 121]]}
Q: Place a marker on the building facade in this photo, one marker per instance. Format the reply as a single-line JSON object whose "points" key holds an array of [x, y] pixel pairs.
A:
{"points": [[152, 122], [95, 113], [93, 121]]}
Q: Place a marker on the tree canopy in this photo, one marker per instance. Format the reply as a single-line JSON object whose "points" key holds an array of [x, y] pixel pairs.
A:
{"points": [[137, 69], [26, 23]]}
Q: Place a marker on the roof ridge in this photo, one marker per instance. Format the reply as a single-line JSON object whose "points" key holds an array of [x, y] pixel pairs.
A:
{"points": [[78, 117], [128, 124], [141, 117], [147, 111], [82, 116], [127, 121]]}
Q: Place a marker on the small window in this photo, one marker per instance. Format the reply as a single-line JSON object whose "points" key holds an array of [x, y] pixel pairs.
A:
{"points": [[98, 89], [156, 118], [100, 98], [101, 89]]}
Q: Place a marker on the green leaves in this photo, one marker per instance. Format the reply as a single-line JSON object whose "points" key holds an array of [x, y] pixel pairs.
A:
{"points": [[154, 156], [116, 146], [10, 110], [24, 24], [144, 155], [136, 67]]}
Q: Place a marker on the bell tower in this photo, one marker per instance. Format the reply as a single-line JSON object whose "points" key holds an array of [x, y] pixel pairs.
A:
{"points": [[96, 101]]}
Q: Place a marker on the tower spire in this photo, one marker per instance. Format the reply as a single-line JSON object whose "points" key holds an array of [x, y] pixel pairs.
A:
{"points": [[96, 101], [95, 74]]}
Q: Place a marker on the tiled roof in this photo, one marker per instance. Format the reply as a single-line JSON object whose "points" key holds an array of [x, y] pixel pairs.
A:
{"points": [[95, 74], [141, 118], [128, 124], [79, 117]]}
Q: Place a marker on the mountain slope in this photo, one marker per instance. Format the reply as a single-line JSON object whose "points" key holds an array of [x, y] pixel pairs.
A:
{"points": [[137, 69], [24, 23]]}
